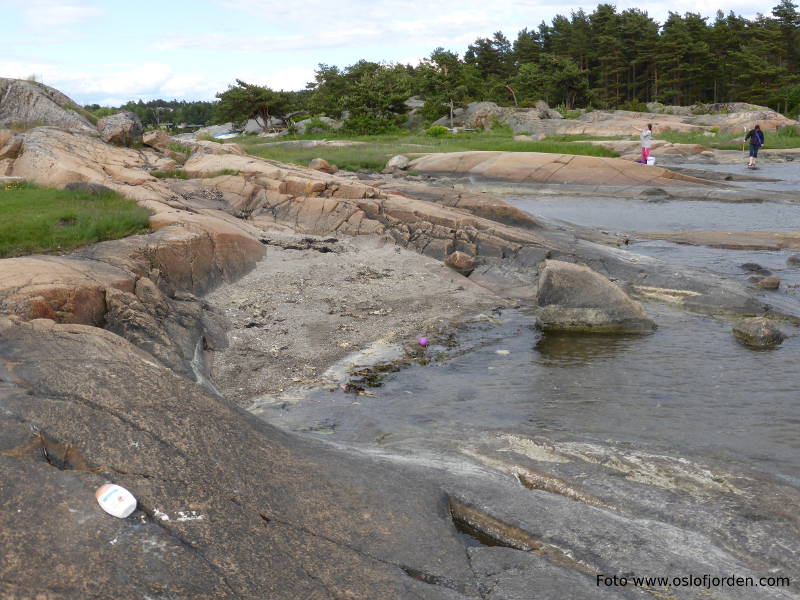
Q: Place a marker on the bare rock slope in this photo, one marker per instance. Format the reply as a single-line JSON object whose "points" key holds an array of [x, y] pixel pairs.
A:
{"points": [[31, 102]]}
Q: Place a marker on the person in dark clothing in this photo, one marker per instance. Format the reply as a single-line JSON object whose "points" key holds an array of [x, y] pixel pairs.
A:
{"points": [[756, 137]]}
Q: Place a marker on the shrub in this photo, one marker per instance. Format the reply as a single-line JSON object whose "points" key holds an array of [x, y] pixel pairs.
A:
{"points": [[367, 124], [437, 131], [634, 106], [207, 138]]}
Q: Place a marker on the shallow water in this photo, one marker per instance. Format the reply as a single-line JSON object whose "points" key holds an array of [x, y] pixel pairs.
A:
{"points": [[688, 390]]}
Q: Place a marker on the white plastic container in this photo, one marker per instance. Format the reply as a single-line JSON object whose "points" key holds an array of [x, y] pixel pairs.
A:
{"points": [[651, 161], [115, 500]]}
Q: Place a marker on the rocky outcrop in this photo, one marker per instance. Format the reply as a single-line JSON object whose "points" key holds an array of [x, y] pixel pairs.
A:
{"points": [[121, 129], [32, 103], [540, 167], [758, 332], [574, 298], [229, 507]]}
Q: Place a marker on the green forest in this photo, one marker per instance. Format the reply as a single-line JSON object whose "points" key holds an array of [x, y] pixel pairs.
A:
{"points": [[606, 59]]}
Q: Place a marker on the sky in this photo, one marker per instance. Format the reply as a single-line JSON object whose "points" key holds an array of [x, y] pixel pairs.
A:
{"points": [[111, 52]]}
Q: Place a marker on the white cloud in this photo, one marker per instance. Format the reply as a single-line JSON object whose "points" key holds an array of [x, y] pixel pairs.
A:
{"points": [[54, 13]]}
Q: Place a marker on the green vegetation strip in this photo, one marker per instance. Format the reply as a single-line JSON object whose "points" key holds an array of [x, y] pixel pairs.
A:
{"points": [[377, 149], [786, 137], [45, 220]]}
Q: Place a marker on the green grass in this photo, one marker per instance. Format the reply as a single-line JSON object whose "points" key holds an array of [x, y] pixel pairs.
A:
{"points": [[170, 174], [220, 173], [46, 220], [181, 148], [23, 126], [787, 137], [378, 149]]}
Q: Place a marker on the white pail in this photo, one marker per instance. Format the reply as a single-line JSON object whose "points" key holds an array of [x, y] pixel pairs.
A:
{"points": [[651, 160]]}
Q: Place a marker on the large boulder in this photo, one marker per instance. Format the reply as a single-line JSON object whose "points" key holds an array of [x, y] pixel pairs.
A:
{"points": [[121, 129], [317, 125], [532, 167], [32, 103], [574, 298], [758, 332]]}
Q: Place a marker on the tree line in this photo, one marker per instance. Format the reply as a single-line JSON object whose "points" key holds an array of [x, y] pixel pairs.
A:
{"points": [[606, 59]]}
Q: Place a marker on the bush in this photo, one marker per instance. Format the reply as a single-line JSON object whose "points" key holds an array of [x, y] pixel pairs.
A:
{"points": [[437, 131], [634, 106], [366, 124]]}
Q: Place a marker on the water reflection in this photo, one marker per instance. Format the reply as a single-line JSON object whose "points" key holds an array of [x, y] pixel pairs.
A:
{"points": [[567, 349]]}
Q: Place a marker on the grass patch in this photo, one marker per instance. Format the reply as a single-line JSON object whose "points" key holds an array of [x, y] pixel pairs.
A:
{"points": [[207, 138], [82, 112], [170, 174], [786, 137], [181, 148], [220, 173], [378, 149], [23, 126], [46, 220]]}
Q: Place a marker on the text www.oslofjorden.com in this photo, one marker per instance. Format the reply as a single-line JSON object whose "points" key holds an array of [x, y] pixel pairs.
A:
{"points": [[696, 581]]}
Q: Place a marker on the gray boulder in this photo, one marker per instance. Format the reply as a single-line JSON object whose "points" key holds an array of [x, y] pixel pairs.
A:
{"points": [[320, 164], [33, 103], [575, 298], [398, 162], [758, 332], [461, 262], [317, 125], [772, 282], [793, 260], [121, 129]]}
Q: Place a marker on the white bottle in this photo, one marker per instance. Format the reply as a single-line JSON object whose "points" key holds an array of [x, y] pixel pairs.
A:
{"points": [[115, 500]]}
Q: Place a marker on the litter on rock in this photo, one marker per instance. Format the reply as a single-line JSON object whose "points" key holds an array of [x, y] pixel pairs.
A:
{"points": [[115, 500], [423, 341]]}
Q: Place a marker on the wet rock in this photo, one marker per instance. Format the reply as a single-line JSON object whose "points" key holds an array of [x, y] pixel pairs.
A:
{"points": [[509, 574], [793, 260], [758, 332], [575, 298], [755, 268], [121, 129], [461, 262], [772, 282], [320, 164], [654, 195]]}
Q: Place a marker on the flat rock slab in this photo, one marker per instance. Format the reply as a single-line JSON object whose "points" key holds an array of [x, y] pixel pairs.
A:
{"points": [[550, 168], [733, 240]]}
